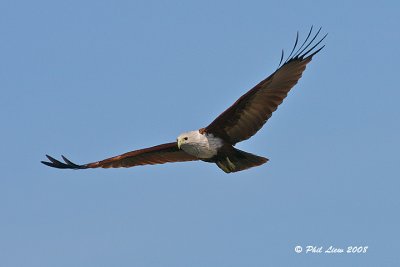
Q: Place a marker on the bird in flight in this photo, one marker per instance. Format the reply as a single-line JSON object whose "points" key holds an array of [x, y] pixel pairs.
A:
{"points": [[215, 143]]}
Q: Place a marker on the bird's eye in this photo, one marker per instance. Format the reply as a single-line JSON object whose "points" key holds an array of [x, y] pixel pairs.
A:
{"points": [[185, 138]]}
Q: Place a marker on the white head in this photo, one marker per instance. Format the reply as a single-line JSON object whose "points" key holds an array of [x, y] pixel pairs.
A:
{"points": [[187, 139], [199, 145]]}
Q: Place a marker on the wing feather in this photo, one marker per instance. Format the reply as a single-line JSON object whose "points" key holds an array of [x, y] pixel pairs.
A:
{"points": [[148, 156], [252, 110]]}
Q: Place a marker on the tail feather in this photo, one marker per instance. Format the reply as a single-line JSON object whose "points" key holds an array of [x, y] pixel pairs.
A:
{"points": [[239, 160]]}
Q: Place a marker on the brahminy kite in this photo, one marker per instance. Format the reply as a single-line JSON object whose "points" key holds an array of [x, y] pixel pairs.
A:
{"points": [[215, 143]]}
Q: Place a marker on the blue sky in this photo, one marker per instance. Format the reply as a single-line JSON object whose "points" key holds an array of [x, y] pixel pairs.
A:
{"points": [[93, 79]]}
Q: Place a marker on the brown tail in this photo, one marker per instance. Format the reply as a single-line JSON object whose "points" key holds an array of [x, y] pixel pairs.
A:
{"points": [[239, 161]]}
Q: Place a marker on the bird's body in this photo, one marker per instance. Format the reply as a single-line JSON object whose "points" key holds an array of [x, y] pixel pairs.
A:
{"points": [[209, 148], [215, 143]]}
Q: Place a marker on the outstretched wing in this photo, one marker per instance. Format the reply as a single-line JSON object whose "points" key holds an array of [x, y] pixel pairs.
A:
{"points": [[249, 113], [153, 155]]}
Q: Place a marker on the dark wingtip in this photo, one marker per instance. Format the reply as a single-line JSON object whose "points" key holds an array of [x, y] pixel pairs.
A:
{"points": [[47, 163], [70, 163], [304, 51], [295, 45], [305, 54], [280, 61], [315, 52], [61, 165]]}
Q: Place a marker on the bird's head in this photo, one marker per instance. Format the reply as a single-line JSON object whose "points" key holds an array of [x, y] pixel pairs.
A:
{"points": [[187, 138], [182, 140]]}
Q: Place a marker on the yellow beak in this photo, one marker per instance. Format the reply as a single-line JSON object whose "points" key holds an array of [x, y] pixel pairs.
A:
{"points": [[179, 143]]}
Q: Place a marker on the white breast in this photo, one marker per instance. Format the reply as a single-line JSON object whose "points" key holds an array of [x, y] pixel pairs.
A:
{"points": [[203, 146]]}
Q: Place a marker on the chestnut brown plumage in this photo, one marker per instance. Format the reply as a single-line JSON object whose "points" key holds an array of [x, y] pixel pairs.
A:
{"points": [[252, 110], [239, 122], [153, 155]]}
